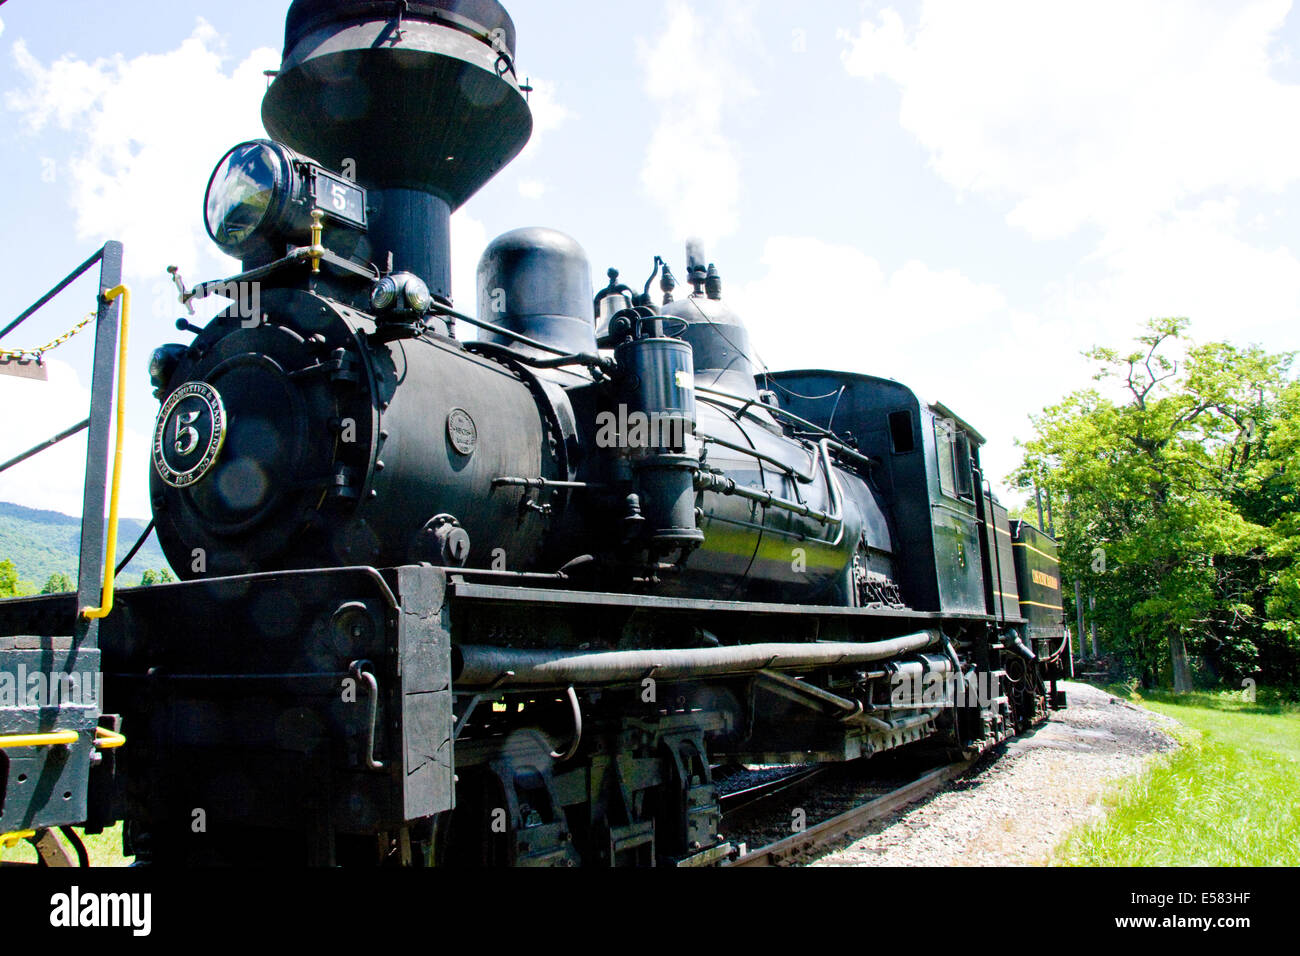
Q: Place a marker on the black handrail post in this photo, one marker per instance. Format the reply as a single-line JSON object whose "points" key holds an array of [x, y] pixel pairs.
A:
{"points": [[57, 288], [90, 573]]}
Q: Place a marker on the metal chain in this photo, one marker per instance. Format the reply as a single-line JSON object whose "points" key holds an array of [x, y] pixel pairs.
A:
{"points": [[19, 354]]}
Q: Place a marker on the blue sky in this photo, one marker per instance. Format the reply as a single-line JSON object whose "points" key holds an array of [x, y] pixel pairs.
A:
{"points": [[962, 196]]}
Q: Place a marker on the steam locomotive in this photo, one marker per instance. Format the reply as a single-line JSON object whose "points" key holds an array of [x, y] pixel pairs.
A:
{"points": [[510, 600]]}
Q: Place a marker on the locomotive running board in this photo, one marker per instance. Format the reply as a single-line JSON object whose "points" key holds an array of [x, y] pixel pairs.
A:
{"points": [[465, 590]]}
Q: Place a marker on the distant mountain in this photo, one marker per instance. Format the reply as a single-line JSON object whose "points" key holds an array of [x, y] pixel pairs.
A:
{"points": [[41, 543]]}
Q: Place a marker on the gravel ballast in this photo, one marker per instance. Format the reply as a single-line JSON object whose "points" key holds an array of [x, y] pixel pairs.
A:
{"points": [[1015, 809]]}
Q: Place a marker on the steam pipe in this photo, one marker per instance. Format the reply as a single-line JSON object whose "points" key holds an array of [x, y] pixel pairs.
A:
{"points": [[1022, 649], [767, 459], [567, 754], [595, 362], [718, 484], [439, 309], [476, 665], [541, 484]]}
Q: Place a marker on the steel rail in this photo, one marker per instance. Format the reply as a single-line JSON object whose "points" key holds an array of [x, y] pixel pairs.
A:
{"points": [[784, 851], [739, 800]]}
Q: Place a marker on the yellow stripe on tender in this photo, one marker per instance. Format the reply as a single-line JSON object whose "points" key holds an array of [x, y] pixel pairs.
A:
{"points": [[1050, 607], [1021, 544]]}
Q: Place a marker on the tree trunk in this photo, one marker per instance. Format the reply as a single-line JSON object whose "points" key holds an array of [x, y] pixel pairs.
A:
{"points": [[1182, 670]]}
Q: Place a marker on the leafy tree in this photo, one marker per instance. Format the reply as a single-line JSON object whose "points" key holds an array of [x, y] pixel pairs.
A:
{"points": [[150, 577], [58, 583], [10, 585], [1278, 475], [1159, 496]]}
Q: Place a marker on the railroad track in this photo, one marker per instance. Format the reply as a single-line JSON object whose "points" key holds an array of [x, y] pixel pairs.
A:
{"points": [[789, 848], [739, 800]]}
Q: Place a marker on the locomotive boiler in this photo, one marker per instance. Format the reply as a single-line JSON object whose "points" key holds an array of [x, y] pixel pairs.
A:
{"points": [[515, 598]]}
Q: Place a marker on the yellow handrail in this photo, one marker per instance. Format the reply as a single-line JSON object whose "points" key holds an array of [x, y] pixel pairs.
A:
{"points": [[315, 250], [110, 556], [106, 739], [39, 740], [11, 840]]}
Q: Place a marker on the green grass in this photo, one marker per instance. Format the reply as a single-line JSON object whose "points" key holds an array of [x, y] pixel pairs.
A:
{"points": [[1226, 797], [105, 849]]}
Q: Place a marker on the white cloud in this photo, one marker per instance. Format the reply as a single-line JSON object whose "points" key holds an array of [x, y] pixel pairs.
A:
{"points": [[52, 480], [692, 169], [532, 188], [148, 132], [549, 114], [2, 27], [1155, 126], [1192, 263], [1109, 113], [468, 240], [865, 315], [946, 336]]}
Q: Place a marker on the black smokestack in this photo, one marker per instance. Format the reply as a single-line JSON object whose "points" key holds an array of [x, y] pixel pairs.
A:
{"points": [[419, 100]]}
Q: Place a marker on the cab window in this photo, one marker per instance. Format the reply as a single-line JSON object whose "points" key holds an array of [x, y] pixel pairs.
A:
{"points": [[964, 479], [952, 447]]}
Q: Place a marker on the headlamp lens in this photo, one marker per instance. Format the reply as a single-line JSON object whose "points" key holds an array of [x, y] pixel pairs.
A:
{"points": [[243, 188], [417, 294], [383, 293]]}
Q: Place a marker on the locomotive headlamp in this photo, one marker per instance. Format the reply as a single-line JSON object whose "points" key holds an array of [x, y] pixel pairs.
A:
{"points": [[261, 195], [163, 362], [383, 294], [416, 293], [400, 292]]}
